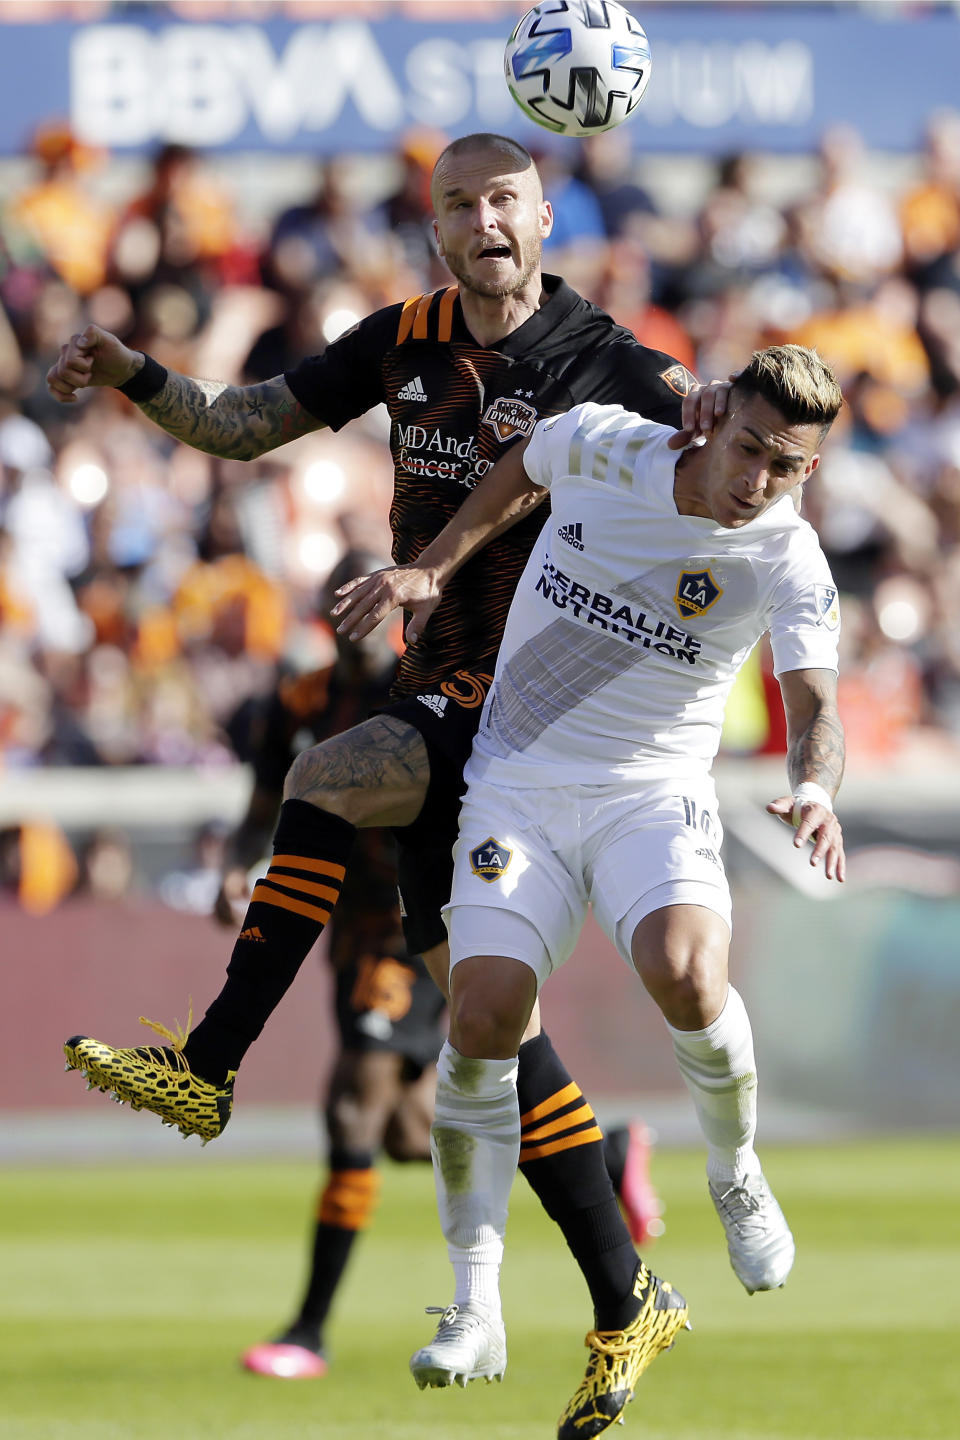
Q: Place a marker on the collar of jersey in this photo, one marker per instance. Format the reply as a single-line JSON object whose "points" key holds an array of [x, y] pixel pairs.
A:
{"points": [[563, 299]]}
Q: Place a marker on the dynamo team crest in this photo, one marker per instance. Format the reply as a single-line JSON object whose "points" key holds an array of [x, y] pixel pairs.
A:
{"points": [[490, 860], [510, 416]]}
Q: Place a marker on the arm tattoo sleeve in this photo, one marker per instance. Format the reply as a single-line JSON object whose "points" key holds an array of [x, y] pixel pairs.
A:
{"points": [[236, 422], [816, 752]]}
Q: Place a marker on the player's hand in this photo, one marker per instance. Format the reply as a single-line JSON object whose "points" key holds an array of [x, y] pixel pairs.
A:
{"points": [[231, 903], [702, 409], [368, 599], [94, 357], [820, 826]]}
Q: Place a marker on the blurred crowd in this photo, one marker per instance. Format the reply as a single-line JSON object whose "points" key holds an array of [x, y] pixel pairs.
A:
{"points": [[148, 592]]}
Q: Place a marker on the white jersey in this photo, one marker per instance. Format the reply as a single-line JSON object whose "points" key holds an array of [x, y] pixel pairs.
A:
{"points": [[631, 620]]}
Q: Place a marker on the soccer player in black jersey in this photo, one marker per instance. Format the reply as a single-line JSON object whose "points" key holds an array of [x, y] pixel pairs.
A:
{"points": [[465, 373]]}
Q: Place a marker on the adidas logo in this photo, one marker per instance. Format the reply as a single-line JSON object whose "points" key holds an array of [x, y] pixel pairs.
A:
{"points": [[413, 390], [572, 535], [252, 933], [436, 703]]}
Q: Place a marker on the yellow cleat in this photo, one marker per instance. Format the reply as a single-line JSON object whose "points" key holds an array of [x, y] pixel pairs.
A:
{"points": [[157, 1078], [619, 1357]]}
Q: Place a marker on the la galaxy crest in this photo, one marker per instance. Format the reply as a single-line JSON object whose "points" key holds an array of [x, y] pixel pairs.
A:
{"points": [[490, 860], [696, 591]]}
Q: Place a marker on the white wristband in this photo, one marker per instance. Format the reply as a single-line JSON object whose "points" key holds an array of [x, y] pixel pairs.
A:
{"points": [[806, 791]]}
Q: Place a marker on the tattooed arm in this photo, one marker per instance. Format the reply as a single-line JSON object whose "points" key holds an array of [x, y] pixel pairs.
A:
{"points": [[236, 422], [814, 734], [815, 753]]}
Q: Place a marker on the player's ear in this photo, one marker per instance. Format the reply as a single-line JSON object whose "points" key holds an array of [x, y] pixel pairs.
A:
{"points": [[546, 218], [436, 239]]}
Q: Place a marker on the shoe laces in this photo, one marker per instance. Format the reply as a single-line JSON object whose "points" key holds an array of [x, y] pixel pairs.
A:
{"points": [[177, 1038], [454, 1318], [744, 1206], [613, 1344]]}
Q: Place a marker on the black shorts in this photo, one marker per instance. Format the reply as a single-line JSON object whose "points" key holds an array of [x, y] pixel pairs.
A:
{"points": [[447, 716], [388, 1004]]}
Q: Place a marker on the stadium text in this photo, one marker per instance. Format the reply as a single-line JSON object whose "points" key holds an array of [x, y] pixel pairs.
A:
{"points": [[216, 85]]}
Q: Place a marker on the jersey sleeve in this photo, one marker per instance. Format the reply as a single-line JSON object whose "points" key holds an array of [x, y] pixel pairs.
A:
{"points": [[347, 379], [805, 616], [647, 381], [547, 455]]}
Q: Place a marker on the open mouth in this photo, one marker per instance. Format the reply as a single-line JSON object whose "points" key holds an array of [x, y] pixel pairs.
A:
{"points": [[494, 252]]}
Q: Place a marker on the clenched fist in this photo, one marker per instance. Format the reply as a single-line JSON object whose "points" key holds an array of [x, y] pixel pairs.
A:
{"points": [[93, 358]]}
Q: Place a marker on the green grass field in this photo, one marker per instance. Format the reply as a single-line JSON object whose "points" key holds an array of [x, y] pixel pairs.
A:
{"points": [[129, 1292]]}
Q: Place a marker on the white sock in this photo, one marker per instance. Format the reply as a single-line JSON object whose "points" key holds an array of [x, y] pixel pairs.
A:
{"points": [[475, 1144], [721, 1073]]}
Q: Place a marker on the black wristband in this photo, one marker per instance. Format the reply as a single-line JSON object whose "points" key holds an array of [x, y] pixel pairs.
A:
{"points": [[148, 381]]}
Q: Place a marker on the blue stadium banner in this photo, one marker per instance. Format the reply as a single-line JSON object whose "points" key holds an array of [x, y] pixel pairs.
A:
{"points": [[132, 77]]}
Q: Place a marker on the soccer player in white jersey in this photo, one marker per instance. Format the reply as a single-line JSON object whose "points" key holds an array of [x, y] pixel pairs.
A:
{"points": [[653, 578]]}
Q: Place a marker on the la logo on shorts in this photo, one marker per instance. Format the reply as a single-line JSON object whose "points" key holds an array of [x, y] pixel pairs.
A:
{"points": [[490, 860]]}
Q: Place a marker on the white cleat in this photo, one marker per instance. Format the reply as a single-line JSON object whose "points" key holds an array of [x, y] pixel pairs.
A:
{"points": [[469, 1345], [759, 1241]]}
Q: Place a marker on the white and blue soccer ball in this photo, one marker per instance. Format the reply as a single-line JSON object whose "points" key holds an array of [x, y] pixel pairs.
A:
{"points": [[578, 67]]}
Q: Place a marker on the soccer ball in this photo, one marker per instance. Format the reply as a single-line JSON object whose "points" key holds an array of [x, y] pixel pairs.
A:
{"points": [[577, 67]]}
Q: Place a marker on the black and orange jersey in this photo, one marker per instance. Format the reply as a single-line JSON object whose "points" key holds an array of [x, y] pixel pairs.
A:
{"points": [[455, 407]]}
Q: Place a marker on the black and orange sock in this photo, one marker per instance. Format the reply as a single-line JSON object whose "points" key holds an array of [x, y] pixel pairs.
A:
{"points": [[288, 909], [345, 1207], [561, 1156]]}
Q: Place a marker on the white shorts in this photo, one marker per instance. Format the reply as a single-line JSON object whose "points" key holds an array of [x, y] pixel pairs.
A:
{"points": [[528, 862]]}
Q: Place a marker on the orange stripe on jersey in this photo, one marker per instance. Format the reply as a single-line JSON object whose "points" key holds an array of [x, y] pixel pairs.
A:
{"points": [[406, 317], [316, 867], [268, 896], [553, 1103], [580, 1116], [445, 314], [422, 317], [349, 1199], [568, 1142]]}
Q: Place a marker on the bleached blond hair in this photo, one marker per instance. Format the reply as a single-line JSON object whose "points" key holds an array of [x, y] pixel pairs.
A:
{"points": [[794, 380]]}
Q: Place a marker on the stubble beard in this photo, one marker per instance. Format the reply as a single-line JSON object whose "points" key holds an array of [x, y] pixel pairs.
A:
{"points": [[501, 289]]}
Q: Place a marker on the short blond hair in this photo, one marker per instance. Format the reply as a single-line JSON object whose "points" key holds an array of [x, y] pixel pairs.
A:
{"points": [[794, 380]]}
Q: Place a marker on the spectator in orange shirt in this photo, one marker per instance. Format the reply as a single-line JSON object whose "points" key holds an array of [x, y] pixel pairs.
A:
{"points": [[68, 225], [930, 211]]}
